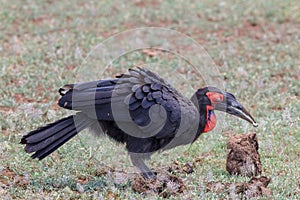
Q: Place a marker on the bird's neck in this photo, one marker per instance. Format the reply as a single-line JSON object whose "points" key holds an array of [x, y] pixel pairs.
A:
{"points": [[207, 118]]}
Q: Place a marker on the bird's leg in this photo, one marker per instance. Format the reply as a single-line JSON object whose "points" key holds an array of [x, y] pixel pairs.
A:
{"points": [[139, 163]]}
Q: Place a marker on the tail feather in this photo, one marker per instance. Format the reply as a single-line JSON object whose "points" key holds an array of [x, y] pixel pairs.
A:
{"points": [[53, 138], [45, 140], [44, 132], [36, 146], [42, 153]]}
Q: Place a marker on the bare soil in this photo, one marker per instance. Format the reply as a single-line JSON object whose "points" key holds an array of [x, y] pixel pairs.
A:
{"points": [[165, 185]]}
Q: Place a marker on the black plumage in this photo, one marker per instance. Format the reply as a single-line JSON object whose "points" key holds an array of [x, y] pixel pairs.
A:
{"points": [[138, 109]]}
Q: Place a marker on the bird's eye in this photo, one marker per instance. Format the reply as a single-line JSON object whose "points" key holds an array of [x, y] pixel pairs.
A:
{"points": [[215, 97], [218, 98]]}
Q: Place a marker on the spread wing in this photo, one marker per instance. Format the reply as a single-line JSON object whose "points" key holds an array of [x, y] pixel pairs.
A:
{"points": [[141, 103]]}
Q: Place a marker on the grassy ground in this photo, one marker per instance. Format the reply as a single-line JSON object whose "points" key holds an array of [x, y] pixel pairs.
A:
{"points": [[255, 45]]}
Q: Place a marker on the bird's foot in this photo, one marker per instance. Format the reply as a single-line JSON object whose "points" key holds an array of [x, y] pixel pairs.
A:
{"points": [[149, 175]]}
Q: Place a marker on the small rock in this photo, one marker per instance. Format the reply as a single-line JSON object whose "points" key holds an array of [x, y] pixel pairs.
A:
{"points": [[79, 188]]}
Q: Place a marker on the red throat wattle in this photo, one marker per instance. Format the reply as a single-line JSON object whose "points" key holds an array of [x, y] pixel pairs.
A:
{"points": [[211, 120]]}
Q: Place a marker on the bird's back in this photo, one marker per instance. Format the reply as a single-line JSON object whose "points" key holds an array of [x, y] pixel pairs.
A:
{"points": [[140, 105]]}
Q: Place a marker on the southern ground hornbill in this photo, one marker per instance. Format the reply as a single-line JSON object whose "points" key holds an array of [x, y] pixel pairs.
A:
{"points": [[138, 109]]}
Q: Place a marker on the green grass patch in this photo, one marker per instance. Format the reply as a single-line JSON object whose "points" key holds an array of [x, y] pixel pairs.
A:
{"points": [[43, 44]]}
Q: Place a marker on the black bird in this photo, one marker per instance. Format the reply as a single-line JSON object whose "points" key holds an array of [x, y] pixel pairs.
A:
{"points": [[138, 109]]}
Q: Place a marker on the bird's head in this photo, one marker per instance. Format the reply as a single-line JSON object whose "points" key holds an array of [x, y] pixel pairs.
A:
{"points": [[212, 98]]}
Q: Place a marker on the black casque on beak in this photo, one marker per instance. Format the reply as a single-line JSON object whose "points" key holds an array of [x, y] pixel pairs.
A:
{"points": [[232, 106]]}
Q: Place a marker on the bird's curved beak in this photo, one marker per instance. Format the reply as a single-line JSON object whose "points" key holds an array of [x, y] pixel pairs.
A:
{"points": [[232, 106]]}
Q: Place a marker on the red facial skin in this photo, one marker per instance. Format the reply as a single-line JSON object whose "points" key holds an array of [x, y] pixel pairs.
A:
{"points": [[211, 120]]}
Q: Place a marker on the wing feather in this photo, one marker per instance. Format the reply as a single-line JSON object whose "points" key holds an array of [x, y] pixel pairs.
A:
{"points": [[153, 105]]}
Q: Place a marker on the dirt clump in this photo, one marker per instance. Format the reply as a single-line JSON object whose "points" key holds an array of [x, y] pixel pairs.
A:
{"points": [[181, 168], [242, 155], [256, 187], [165, 185]]}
